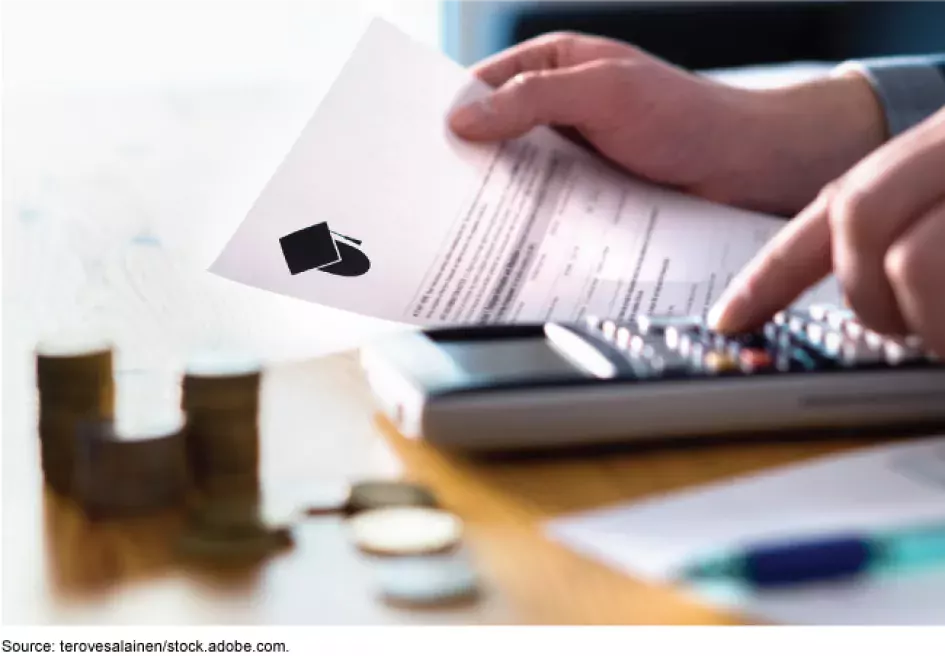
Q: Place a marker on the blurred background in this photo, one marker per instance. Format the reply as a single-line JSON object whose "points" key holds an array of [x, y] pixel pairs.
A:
{"points": [[708, 35], [89, 42], [51, 43]]}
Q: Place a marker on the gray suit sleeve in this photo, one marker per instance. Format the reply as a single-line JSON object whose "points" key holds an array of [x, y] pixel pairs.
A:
{"points": [[910, 89]]}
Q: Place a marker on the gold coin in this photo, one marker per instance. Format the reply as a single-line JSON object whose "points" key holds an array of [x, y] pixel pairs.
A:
{"points": [[372, 495]]}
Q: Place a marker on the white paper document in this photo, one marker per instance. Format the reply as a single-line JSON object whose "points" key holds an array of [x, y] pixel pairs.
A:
{"points": [[379, 209], [873, 488]]}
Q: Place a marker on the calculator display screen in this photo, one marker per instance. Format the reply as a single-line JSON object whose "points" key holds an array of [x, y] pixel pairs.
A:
{"points": [[510, 359]]}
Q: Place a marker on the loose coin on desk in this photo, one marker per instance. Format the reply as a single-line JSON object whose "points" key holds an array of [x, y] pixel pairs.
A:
{"points": [[426, 580], [405, 531], [373, 495]]}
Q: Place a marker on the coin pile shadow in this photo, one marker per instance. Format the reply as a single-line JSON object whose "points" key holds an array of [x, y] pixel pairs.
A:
{"points": [[88, 557]]}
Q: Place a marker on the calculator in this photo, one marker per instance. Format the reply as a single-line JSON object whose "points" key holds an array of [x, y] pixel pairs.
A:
{"points": [[596, 381]]}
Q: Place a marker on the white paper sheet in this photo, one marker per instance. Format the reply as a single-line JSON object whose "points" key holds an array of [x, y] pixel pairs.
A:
{"points": [[871, 488], [451, 232]]}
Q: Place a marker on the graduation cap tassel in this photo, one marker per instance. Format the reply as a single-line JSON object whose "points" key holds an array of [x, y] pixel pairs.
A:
{"points": [[357, 242]]}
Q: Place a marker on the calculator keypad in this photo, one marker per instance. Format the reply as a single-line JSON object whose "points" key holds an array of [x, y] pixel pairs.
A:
{"points": [[819, 338]]}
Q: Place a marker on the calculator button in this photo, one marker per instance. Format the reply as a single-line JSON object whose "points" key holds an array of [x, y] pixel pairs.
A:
{"points": [[832, 343], [854, 329], [795, 359], [609, 330], [913, 342], [898, 352], [645, 352], [856, 353], [771, 331], [797, 325], [592, 322], [819, 312], [780, 319], [873, 339], [668, 363], [674, 334], [784, 341], [719, 362], [838, 317], [658, 325], [754, 359], [695, 353], [622, 340], [686, 342], [713, 342], [815, 333], [636, 344], [733, 349]]}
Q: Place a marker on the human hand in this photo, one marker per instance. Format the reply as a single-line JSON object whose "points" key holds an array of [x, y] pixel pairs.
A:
{"points": [[880, 228], [769, 150]]}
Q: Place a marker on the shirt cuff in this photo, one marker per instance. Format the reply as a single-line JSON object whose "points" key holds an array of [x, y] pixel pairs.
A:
{"points": [[910, 89]]}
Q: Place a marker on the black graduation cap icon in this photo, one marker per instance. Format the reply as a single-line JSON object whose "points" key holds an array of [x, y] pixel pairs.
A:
{"points": [[317, 247]]}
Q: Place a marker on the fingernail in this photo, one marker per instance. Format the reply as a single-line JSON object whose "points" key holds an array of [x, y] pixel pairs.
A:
{"points": [[715, 316], [720, 316], [471, 116]]}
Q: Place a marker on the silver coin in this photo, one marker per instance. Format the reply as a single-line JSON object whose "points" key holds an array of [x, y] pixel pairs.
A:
{"points": [[221, 364], [405, 531], [426, 579]]}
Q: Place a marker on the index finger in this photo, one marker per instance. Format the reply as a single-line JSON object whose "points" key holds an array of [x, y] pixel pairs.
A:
{"points": [[792, 261], [550, 51]]}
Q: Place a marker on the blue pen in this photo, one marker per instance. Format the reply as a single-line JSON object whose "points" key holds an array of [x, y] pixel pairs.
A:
{"points": [[843, 556]]}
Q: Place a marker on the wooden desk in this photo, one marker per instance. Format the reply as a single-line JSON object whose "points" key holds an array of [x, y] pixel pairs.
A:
{"points": [[108, 201]]}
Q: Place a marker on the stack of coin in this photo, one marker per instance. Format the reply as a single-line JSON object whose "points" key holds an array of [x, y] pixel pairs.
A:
{"points": [[131, 467], [74, 377], [221, 401]]}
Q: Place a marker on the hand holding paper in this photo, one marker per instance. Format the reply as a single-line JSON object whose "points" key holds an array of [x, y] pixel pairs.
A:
{"points": [[441, 230]]}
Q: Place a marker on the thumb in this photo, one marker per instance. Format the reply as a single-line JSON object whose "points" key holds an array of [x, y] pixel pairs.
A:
{"points": [[564, 97]]}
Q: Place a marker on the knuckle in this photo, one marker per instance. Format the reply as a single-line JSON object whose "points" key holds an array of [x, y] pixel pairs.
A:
{"points": [[616, 65], [907, 265], [526, 85], [830, 191], [559, 36], [612, 80], [849, 213], [522, 94], [522, 84], [561, 41]]}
